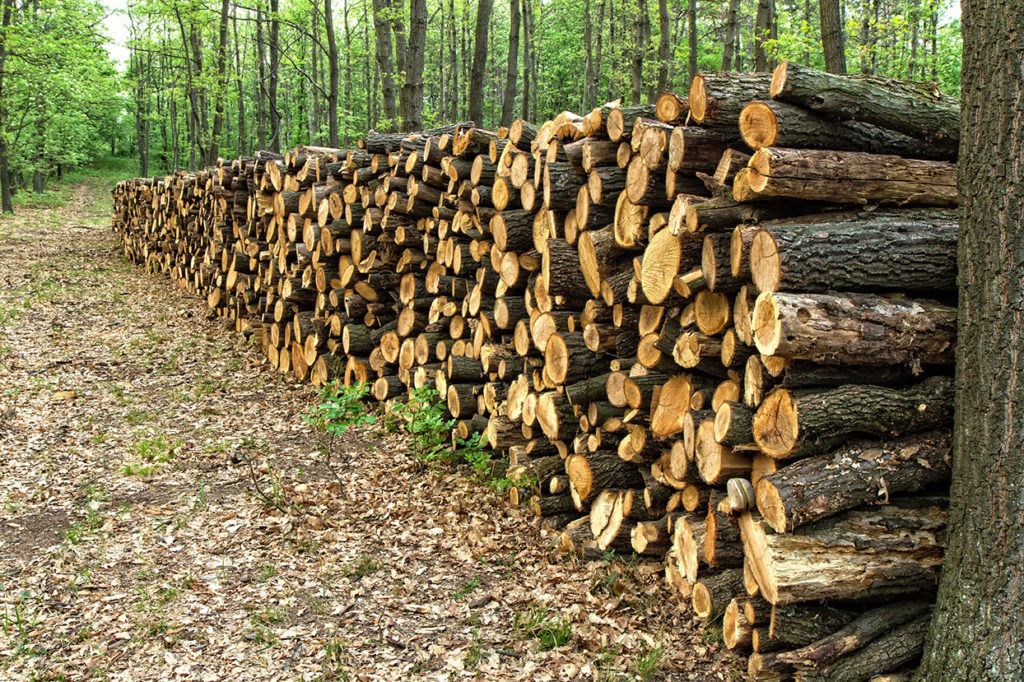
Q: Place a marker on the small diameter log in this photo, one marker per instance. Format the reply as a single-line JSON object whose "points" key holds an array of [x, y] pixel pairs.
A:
{"points": [[786, 425], [916, 109], [851, 177], [867, 627], [712, 595], [671, 108], [893, 651], [861, 472], [598, 256], [651, 537], [724, 213], [907, 250], [780, 124], [645, 187], [734, 424], [737, 630], [593, 472], [716, 99], [854, 329], [874, 553], [561, 269], [665, 256], [693, 149], [567, 358]]}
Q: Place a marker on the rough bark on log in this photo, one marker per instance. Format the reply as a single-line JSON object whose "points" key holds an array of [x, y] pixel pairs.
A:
{"points": [[854, 329]]}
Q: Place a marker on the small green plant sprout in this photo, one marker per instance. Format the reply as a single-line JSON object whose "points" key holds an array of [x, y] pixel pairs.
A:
{"points": [[551, 632], [425, 417], [340, 408], [466, 588], [649, 661]]}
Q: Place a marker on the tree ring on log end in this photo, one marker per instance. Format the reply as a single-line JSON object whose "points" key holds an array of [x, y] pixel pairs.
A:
{"points": [[758, 125], [765, 323], [660, 266], [698, 99], [776, 425], [765, 262]]}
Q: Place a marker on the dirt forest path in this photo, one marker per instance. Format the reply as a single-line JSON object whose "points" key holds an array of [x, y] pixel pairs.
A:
{"points": [[134, 546]]}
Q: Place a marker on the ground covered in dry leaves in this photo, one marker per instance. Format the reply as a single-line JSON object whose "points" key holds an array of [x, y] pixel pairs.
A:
{"points": [[135, 544]]}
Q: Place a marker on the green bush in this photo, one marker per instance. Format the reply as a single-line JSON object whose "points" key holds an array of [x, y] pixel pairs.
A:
{"points": [[341, 407]]}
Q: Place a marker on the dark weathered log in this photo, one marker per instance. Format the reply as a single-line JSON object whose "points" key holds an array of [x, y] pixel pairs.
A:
{"points": [[917, 109], [779, 124], [866, 628], [855, 329], [881, 552], [850, 177], [891, 652], [786, 425], [862, 472], [912, 251]]}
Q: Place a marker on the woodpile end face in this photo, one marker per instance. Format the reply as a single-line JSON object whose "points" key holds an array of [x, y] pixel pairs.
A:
{"points": [[717, 330]]}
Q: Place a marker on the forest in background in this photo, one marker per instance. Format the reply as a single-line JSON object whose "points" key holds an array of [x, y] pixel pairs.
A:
{"points": [[208, 79]]}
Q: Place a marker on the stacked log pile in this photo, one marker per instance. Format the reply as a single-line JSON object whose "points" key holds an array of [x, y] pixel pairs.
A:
{"points": [[717, 330]]}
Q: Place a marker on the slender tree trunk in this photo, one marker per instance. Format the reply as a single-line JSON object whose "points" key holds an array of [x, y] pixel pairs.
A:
{"points": [[453, 62], [385, 60], [401, 58], [588, 58], [664, 49], [865, 37], [371, 86], [527, 23], [832, 36], [275, 63], [222, 84], [415, 59], [508, 101], [976, 631], [935, 40], [912, 62], [6, 198], [762, 32], [636, 72], [692, 35], [476, 78], [595, 77], [243, 148], [336, 138], [261, 86], [729, 44]]}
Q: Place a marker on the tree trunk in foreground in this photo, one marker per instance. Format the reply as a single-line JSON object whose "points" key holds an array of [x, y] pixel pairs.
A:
{"points": [[976, 630]]}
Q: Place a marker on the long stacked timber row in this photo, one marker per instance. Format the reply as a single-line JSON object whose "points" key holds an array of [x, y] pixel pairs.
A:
{"points": [[717, 330]]}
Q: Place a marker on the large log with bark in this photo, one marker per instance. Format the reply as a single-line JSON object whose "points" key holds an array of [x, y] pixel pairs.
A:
{"points": [[912, 251], [875, 553], [916, 109], [787, 424], [854, 329], [848, 177], [861, 472]]}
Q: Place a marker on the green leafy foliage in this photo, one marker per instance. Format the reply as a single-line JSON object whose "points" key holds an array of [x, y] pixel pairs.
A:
{"points": [[425, 418], [340, 408]]}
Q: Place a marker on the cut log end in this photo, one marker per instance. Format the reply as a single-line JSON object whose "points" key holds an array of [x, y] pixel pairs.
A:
{"points": [[765, 324], [776, 427], [758, 125], [765, 262], [698, 99], [779, 76]]}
